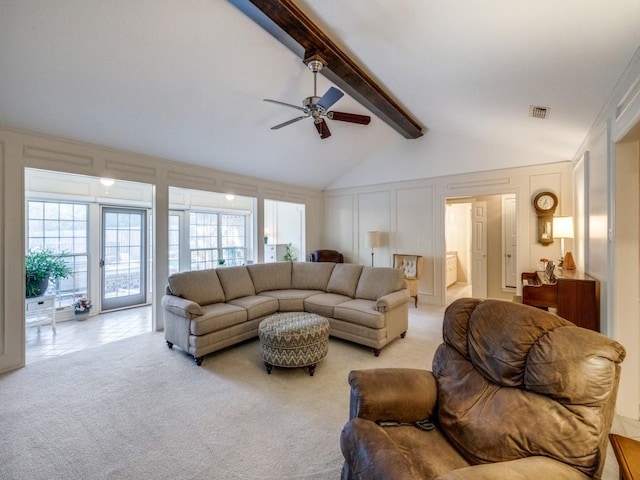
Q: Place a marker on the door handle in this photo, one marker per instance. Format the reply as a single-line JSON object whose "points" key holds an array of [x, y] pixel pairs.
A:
{"points": [[101, 263]]}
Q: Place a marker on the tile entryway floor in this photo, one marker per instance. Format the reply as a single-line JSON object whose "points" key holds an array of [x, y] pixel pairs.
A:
{"points": [[73, 335]]}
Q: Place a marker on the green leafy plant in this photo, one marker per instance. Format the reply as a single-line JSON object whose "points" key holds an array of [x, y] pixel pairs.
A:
{"points": [[41, 266], [288, 256]]}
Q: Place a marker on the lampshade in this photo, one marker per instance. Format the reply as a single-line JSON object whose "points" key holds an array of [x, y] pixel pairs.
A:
{"points": [[372, 239], [563, 227]]}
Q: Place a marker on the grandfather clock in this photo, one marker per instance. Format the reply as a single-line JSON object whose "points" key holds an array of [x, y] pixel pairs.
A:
{"points": [[545, 204]]}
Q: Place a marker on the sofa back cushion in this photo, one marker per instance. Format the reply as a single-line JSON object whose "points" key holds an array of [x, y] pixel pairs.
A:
{"points": [[344, 279], [502, 362], [200, 286], [377, 282], [236, 282], [311, 276], [270, 276]]}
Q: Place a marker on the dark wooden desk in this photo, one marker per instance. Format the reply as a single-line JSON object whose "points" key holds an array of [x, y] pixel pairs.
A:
{"points": [[575, 295], [627, 452]]}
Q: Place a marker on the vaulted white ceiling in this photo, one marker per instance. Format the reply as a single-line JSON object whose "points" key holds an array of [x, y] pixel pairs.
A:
{"points": [[185, 80]]}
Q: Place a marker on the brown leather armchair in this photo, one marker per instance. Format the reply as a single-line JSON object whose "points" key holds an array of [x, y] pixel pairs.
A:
{"points": [[326, 256], [514, 392]]}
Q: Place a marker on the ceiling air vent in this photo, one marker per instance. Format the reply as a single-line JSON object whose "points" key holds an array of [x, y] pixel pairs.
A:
{"points": [[538, 112]]}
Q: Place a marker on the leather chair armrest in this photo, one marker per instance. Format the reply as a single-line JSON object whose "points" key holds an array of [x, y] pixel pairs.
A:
{"points": [[371, 454], [532, 468], [400, 394], [181, 306], [392, 300]]}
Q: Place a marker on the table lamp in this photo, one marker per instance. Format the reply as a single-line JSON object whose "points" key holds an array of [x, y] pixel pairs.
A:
{"points": [[563, 228]]}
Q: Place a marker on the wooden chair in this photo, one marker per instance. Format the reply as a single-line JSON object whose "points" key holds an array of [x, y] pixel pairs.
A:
{"points": [[411, 265]]}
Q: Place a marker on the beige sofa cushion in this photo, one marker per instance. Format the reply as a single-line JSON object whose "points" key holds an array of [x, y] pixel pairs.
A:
{"points": [[256, 306], [378, 282], [236, 282], [344, 279], [323, 303], [360, 312], [217, 317], [290, 300], [200, 286], [311, 275], [270, 276]]}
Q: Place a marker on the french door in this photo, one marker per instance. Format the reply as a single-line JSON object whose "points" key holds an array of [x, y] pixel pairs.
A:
{"points": [[123, 262]]}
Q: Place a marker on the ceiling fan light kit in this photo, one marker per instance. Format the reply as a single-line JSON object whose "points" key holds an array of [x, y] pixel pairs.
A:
{"points": [[318, 107]]}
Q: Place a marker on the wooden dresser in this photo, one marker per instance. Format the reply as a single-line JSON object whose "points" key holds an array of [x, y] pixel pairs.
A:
{"points": [[574, 294]]}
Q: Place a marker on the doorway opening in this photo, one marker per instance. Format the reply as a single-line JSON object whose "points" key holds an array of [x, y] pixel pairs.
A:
{"points": [[481, 246], [284, 231], [100, 229]]}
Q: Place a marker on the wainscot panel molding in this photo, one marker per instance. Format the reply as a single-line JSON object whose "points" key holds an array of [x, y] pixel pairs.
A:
{"points": [[339, 226], [188, 180], [431, 194], [129, 169], [414, 234], [374, 213], [57, 157], [485, 182]]}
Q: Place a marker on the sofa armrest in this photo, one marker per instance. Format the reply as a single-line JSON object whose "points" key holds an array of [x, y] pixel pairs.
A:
{"points": [[181, 306], [524, 468], [400, 394], [392, 300]]}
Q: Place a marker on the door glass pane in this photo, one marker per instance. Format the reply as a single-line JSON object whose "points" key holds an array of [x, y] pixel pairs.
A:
{"points": [[124, 253]]}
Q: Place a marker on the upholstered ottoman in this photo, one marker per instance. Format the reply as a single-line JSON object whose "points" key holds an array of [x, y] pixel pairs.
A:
{"points": [[293, 339]]}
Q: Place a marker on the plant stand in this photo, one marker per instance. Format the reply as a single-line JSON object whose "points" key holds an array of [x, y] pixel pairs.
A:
{"points": [[82, 316]]}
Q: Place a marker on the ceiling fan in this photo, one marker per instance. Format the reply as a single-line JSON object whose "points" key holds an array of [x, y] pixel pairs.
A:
{"points": [[318, 107]]}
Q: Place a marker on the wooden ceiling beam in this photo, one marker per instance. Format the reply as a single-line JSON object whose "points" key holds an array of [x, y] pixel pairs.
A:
{"points": [[287, 23]]}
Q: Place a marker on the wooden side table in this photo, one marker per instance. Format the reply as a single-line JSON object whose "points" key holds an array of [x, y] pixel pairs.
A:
{"points": [[38, 309], [627, 452]]}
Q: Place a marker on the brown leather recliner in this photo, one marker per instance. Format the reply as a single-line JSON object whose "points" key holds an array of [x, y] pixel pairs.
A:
{"points": [[514, 393], [326, 256]]}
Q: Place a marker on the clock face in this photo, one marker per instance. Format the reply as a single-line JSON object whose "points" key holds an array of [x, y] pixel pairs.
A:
{"points": [[546, 202]]}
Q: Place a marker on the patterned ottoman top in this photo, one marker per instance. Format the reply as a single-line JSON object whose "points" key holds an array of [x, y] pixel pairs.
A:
{"points": [[293, 329]]}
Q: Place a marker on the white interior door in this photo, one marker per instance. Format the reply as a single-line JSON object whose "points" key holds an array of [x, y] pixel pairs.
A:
{"points": [[479, 250], [510, 247]]}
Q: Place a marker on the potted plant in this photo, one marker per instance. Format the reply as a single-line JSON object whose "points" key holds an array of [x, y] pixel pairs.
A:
{"points": [[40, 266], [288, 256], [82, 307]]}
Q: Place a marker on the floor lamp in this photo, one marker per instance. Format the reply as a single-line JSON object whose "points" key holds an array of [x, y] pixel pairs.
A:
{"points": [[563, 228], [372, 240]]}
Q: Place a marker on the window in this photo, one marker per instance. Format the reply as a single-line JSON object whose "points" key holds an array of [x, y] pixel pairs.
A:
{"points": [[174, 243], [217, 238], [61, 228]]}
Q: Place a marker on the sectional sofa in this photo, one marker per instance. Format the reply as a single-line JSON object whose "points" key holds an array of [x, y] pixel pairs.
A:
{"points": [[207, 310]]}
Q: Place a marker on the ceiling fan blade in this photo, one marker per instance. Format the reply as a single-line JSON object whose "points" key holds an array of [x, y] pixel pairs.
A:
{"points": [[349, 117], [285, 104], [288, 122], [323, 129], [329, 98]]}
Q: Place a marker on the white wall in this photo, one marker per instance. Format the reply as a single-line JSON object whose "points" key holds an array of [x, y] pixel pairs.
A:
{"points": [[20, 150], [597, 167], [413, 215]]}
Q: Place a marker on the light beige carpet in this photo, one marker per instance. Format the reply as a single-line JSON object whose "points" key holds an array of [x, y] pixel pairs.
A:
{"points": [[134, 409]]}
